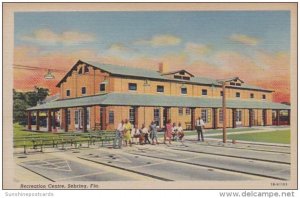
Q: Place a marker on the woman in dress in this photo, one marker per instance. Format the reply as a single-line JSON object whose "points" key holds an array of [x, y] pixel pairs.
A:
{"points": [[168, 132], [127, 132]]}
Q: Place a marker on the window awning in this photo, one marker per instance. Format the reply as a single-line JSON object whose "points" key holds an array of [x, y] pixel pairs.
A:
{"points": [[133, 99]]}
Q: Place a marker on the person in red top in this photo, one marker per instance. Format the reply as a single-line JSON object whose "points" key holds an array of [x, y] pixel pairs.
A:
{"points": [[168, 132]]}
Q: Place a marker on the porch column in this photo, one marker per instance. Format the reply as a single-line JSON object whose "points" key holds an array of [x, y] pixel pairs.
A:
{"points": [[193, 118], [54, 119], [29, 120], [37, 120], [264, 112], [136, 116], [250, 117], [66, 124], [215, 118], [103, 121], [84, 112], [233, 118], [289, 117], [277, 117], [49, 120]]}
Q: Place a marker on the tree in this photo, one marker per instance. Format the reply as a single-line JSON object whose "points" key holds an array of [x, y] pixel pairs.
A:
{"points": [[24, 100]]}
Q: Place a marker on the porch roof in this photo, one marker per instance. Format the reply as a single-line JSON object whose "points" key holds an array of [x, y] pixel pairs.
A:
{"points": [[134, 99]]}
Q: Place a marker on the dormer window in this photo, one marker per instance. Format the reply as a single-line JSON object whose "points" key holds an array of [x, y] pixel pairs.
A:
{"points": [[177, 77], [86, 69], [80, 71]]}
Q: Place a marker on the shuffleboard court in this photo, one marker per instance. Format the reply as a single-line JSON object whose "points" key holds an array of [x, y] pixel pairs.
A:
{"points": [[57, 169], [233, 152], [255, 147], [253, 167], [163, 169]]}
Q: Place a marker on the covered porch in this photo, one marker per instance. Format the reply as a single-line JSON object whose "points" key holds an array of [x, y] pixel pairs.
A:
{"points": [[58, 114]]}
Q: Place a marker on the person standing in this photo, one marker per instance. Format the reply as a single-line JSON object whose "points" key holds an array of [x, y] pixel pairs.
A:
{"points": [[180, 132], [119, 135], [200, 127], [174, 132], [145, 132], [127, 132], [153, 129], [168, 132]]}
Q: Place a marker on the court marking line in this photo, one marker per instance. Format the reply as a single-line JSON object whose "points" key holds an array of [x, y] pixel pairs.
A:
{"points": [[242, 148]]}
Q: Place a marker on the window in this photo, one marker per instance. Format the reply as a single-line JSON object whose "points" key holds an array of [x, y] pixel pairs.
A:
{"points": [[204, 92], [221, 93], [86, 69], [132, 116], [177, 77], [69, 117], [183, 90], [238, 94], [220, 115], [132, 86], [156, 116], [102, 87], [204, 115], [263, 96], [180, 111], [83, 90], [80, 71], [111, 117], [232, 83], [188, 111], [186, 78], [181, 73], [238, 84], [252, 95], [160, 88], [68, 92]]}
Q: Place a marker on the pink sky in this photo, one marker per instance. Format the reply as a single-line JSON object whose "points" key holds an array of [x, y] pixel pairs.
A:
{"points": [[267, 70]]}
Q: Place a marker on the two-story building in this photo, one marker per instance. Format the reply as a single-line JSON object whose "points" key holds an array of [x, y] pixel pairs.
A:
{"points": [[97, 95]]}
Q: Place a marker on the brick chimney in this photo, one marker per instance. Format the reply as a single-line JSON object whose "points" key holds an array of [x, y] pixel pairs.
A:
{"points": [[162, 68]]}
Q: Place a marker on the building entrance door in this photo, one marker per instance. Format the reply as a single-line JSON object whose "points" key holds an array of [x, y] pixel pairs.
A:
{"points": [[238, 117], [78, 119], [157, 116]]}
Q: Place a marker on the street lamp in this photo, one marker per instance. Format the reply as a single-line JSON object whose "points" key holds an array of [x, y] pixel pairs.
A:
{"points": [[223, 83]]}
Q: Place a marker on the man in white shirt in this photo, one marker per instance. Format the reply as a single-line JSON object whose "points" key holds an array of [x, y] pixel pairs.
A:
{"points": [[200, 127], [119, 134]]}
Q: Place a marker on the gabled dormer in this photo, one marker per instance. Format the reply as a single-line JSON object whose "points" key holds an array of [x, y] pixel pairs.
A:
{"points": [[236, 82], [179, 75]]}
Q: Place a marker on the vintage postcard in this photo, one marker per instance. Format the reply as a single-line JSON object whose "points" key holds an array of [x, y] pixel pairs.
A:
{"points": [[150, 96]]}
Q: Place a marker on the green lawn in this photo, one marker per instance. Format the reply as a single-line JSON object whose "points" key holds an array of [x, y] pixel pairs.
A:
{"points": [[280, 136]]}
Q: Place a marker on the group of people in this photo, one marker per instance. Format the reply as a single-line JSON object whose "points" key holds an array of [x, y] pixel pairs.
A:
{"points": [[173, 132], [130, 133], [148, 135]]}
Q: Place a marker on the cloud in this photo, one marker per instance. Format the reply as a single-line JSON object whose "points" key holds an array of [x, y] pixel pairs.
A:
{"points": [[46, 36], [160, 40], [119, 47], [197, 49], [244, 39]]}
